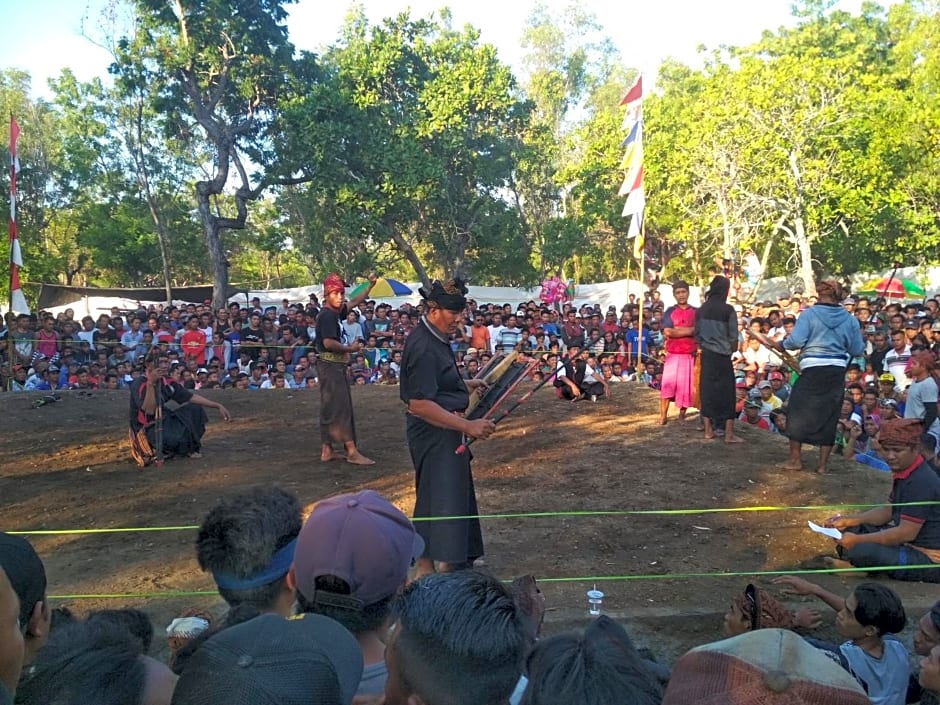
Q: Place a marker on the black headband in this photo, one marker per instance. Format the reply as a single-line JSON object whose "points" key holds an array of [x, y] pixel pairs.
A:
{"points": [[450, 294]]}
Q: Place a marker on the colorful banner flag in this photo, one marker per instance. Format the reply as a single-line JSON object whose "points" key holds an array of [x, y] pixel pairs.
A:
{"points": [[17, 300], [632, 163]]}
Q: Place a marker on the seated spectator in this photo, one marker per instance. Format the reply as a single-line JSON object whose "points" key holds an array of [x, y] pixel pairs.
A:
{"points": [[27, 574], [751, 416], [778, 420], [352, 559], [597, 667], [99, 661], [247, 542], [755, 608], [781, 390], [870, 612], [887, 409], [11, 640], [892, 535], [929, 677], [763, 667], [768, 401], [270, 660], [457, 638], [863, 444]]}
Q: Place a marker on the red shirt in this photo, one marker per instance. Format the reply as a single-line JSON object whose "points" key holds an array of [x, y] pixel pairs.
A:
{"points": [[193, 343], [677, 317]]}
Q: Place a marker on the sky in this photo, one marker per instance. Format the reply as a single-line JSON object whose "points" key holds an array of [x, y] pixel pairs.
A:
{"points": [[45, 36]]}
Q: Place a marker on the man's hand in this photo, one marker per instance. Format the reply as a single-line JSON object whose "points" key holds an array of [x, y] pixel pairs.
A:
{"points": [[480, 428], [795, 585], [807, 618], [355, 346], [372, 279], [226, 416], [849, 540], [855, 431], [838, 522]]}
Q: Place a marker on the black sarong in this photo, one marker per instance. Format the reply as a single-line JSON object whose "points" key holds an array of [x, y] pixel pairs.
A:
{"points": [[814, 405], [183, 429], [716, 387], [444, 487], [336, 411]]}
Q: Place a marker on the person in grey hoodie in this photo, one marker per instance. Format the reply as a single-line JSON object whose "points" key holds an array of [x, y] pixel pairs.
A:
{"points": [[827, 337]]}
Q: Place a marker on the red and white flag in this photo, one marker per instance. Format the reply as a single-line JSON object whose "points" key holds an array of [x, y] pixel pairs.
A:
{"points": [[17, 300], [632, 162]]}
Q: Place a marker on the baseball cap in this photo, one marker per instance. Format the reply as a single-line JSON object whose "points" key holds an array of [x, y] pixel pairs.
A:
{"points": [[25, 571], [764, 385], [202, 371], [913, 325], [361, 539], [886, 377], [888, 402], [270, 660], [741, 384], [761, 667], [935, 326], [776, 375], [471, 351], [752, 404]]}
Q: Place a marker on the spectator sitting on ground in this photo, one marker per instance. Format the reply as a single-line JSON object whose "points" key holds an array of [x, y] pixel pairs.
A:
{"points": [[270, 660], [863, 445], [762, 667], [352, 559], [99, 661], [247, 542], [870, 612], [778, 420], [892, 535], [926, 640], [457, 639], [27, 574], [755, 608], [887, 409], [11, 640], [600, 666]]}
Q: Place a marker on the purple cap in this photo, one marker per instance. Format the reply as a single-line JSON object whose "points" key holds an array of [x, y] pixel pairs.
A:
{"points": [[361, 539]]}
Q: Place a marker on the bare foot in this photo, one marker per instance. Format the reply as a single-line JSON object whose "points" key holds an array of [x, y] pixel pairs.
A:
{"points": [[710, 436], [682, 414], [792, 465], [662, 421], [831, 562], [821, 470], [197, 454], [733, 439], [359, 459], [327, 455]]}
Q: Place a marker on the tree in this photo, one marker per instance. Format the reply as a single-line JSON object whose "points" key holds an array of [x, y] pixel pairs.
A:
{"points": [[225, 67]]}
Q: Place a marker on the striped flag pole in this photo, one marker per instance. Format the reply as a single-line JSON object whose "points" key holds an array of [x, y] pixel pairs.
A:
{"points": [[632, 188], [17, 300]]}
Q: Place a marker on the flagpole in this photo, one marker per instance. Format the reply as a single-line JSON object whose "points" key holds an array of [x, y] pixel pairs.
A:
{"points": [[639, 344]]}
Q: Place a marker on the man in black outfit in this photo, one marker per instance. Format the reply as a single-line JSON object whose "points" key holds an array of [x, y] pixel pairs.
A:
{"points": [[436, 395], [337, 424], [183, 427]]}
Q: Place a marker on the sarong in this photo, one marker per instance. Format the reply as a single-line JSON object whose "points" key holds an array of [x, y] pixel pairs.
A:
{"points": [[814, 405], [336, 411], [444, 487], [678, 375], [183, 429], [717, 387]]}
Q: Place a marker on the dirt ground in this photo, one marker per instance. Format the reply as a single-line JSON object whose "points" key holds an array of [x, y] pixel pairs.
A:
{"points": [[66, 466]]}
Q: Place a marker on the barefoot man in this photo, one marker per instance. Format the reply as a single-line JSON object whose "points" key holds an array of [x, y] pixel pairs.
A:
{"points": [[827, 337], [336, 413], [678, 371]]}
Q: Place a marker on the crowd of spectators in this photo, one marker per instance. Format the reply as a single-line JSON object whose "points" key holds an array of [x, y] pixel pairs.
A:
{"points": [[322, 610], [254, 347]]}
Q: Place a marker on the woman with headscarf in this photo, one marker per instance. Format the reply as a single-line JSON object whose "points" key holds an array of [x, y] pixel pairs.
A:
{"points": [[827, 337], [437, 395], [716, 332]]}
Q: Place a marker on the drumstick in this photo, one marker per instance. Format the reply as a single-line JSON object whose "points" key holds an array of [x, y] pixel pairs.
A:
{"points": [[462, 448]]}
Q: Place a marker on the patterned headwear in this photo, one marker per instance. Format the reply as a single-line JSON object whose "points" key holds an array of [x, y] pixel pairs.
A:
{"points": [[450, 294], [763, 610], [901, 432], [333, 282]]}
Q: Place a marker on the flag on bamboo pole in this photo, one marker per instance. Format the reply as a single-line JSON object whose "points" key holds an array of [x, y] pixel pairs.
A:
{"points": [[632, 163], [17, 300]]}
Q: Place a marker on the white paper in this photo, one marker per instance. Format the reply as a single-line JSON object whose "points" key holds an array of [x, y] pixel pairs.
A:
{"points": [[832, 533]]}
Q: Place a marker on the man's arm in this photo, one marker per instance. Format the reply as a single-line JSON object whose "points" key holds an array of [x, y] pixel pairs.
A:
{"points": [[364, 294], [799, 586], [200, 400], [878, 516]]}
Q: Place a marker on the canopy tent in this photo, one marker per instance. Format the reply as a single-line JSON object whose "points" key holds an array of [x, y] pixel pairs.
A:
{"points": [[90, 301]]}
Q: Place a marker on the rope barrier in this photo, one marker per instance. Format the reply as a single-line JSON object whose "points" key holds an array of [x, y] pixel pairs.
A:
{"points": [[519, 515], [563, 579]]}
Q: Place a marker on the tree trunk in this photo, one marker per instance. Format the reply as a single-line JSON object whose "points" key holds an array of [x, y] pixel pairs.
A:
{"points": [[411, 256], [806, 257], [212, 233]]}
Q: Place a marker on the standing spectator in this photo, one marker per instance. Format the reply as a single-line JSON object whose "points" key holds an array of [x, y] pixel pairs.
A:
{"points": [[679, 368], [896, 359], [716, 332], [923, 393], [495, 330], [193, 343], [827, 337], [336, 412], [353, 329]]}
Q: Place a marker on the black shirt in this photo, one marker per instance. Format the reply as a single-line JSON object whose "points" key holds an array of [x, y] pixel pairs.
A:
{"points": [[920, 485], [328, 326], [428, 370], [168, 391]]}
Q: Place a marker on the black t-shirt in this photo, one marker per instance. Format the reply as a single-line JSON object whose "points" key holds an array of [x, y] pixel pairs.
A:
{"points": [[428, 370], [328, 326], [255, 339], [922, 485], [168, 390], [105, 339]]}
